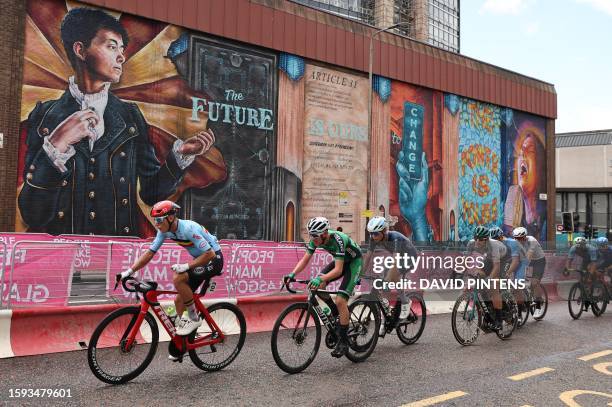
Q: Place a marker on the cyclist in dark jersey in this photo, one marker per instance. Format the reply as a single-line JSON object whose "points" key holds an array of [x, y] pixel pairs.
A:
{"points": [[392, 242], [604, 256], [347, 265], [582, 249], [201, 245], [496, 255]]}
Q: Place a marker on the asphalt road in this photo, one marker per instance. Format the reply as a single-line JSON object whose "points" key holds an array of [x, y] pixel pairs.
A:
{"points": [[436, 366]]}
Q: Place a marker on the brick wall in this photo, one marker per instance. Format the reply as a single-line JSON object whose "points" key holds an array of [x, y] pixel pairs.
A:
{"points": [[12, 21]]}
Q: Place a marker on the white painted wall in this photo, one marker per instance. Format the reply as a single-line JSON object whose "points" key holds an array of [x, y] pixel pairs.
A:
{"points": [[583, 167]]}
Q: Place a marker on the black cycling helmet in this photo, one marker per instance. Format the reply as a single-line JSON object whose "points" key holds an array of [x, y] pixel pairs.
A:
{"points": [[481, 232]]}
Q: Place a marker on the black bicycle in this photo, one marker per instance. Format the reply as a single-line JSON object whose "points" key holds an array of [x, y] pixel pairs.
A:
{"points": [[296, 335], [408, 329], [585, 294], [472, 313], [532, 305]]}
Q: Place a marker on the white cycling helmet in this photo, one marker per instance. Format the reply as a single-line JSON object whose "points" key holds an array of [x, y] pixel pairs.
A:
{"points": [[519, 232], [580, 240], [317, 226], [377, 224]]}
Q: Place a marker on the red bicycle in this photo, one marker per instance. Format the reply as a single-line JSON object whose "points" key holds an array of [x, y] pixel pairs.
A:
{"points": [[124, 343]]}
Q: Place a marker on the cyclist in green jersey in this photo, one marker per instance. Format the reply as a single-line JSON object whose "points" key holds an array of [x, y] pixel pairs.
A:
{"points": [[346, 266]]}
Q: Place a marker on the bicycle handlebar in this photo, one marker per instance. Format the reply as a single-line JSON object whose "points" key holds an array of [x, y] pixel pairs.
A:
{"points": [[132, 288], [287, 285]]}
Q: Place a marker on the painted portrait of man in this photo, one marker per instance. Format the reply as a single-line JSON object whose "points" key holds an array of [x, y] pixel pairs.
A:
{"points": [[92, 161]]}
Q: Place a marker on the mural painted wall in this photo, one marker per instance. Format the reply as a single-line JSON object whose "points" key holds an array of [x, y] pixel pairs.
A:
{"points": [[525, 173], [416, 163], [335, 148], [500, 171], [119, 112]]}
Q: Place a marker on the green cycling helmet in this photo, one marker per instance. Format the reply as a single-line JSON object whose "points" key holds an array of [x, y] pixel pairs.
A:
{"points": [[481, 232]]}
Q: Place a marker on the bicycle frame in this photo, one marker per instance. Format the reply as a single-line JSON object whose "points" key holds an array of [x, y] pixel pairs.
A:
{"points": [[313, 303], [478, 301], [149, 301]]}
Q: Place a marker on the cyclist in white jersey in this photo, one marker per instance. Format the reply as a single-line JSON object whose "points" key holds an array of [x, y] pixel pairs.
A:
{"points": [[202, 246], [531, 250]]}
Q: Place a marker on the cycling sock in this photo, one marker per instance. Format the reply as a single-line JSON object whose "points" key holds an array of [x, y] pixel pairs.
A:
{"points": [[343, 331], [191, 308], [498, 315]]}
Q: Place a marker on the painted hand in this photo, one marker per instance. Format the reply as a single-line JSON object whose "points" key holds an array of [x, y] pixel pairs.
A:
{"points": [[413, 197], [74, 128], [198, 144]]}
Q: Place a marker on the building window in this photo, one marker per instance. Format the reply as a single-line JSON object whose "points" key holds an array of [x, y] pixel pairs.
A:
{"points": [[581, 208], [361, 10], [558, 208], [600, 211]]}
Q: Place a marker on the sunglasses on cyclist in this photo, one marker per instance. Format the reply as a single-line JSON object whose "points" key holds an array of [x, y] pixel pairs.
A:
{"points": [[316, 236], [375, 234], [159, 219], [482, 239]]}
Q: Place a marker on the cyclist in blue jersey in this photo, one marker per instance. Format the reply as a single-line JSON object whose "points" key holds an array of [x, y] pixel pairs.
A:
{"points": [[202, 246], [586, 252], [517, 265], [604, 257]]}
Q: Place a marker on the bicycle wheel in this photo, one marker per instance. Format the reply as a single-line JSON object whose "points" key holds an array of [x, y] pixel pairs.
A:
{"points": [[108, 358], [296, 337], [539, 313], [523, 314], [231, 322], [510, 317], [524, 309], [575, 300], [410, 329], [466, 319], [599, 298], [363, 329]]}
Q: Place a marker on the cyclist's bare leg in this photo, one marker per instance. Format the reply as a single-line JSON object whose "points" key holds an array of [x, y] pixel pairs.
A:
{"points": [[519, 296], [537, 288], [392, 276], [178, 305], [343, 311], [181, 283], [495, 293]]}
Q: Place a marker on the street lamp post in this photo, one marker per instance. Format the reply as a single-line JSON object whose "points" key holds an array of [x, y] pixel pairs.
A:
{"points": [[374, 34]]}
